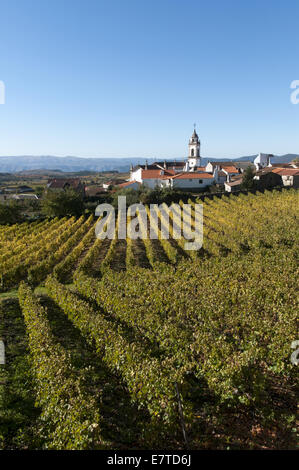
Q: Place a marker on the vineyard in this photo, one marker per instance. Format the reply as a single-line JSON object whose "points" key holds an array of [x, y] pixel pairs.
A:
{"points": [[106, 338]]}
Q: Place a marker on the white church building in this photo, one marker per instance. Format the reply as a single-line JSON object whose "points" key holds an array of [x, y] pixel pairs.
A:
{"points": [[184, 175]]}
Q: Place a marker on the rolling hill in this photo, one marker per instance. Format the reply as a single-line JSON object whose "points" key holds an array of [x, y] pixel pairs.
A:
{"points": [[15, 164]]}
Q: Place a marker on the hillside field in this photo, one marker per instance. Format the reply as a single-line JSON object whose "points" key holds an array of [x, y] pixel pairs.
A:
{"points": [[105, 338]]}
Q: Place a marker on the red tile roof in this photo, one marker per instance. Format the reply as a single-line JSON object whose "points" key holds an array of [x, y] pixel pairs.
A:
{"points": [[237, 182], [229, 169], [125, 185], [192, 175], [156, 174], [286, 171], [264, 171]]}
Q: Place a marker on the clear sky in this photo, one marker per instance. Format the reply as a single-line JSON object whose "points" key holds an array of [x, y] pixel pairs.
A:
{"points": [[130, 77]]}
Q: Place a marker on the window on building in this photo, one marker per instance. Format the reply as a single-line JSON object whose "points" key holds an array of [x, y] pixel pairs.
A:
{"points": [[192, 153], [200, 181]]}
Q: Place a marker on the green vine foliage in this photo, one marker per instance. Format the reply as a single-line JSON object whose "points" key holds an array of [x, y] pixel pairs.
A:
{"points": [[219, 322], [69, 415], [150, 381]]}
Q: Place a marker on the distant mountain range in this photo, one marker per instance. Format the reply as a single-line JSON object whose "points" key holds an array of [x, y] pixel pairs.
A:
{"points": [[75, 164]]}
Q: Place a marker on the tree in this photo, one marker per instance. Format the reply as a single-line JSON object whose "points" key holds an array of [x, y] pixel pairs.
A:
{"points": [[34, 205], [62, 203], [248, 181], [10, 213], [39, 190], [132, 196], [147, 195]]}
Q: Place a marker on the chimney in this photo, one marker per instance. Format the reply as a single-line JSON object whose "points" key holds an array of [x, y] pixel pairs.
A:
{"points": [[165, 165], [228, 178], [145, 165]]}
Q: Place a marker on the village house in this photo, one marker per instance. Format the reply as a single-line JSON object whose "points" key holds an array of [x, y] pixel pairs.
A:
{"points": [[233, 185], [62, 184], [5, 197], [25, 189], [289, 176], [267, 178], [243, 165], [151, 177], [10, 189], [127, 185], [24, 197], [110, 183], [93, 190], [191, 181], [226, 168]]}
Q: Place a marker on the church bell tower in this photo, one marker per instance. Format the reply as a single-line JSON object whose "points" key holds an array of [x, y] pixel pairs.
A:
{"points": [[194, 151]]}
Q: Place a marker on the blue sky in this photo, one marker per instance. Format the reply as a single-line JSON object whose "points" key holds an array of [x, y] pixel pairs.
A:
{"points": [[130, 77]]}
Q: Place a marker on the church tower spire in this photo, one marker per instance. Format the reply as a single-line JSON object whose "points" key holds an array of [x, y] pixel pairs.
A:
{"points": [[194, 150]]}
